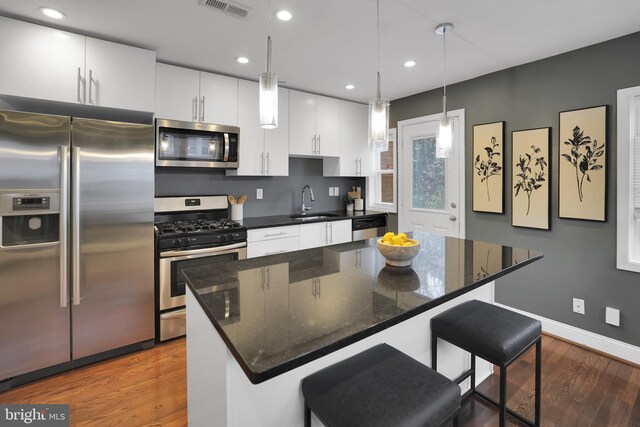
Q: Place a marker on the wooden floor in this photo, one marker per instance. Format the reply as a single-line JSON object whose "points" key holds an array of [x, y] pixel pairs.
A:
{"points": [[579, 388]]}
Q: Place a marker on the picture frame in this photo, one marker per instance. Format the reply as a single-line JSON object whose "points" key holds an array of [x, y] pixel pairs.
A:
{"points": [[582, 163], [488, 168], [531, 178]]}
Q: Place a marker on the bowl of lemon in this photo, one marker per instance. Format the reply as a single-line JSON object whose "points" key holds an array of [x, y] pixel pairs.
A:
{"points": [[398, 249]]}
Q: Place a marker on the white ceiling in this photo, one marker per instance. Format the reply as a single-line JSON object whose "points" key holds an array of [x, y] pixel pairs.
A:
{"points": [[330, 43]]}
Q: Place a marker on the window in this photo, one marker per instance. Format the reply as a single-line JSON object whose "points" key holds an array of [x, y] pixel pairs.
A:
{"points": [[382, 182], [628, 221]]}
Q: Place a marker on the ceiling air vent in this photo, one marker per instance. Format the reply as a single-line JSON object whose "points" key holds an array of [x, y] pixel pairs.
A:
{"points": [[229, 7]]}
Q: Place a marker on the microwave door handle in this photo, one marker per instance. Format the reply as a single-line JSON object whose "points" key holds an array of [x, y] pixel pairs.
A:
{"points": [[64, 217], [226, 148]]}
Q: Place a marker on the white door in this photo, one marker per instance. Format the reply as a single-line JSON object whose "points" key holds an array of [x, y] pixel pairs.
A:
{"points": [[119, 76], [40, 62], [302, 124], [218, 99], [431, 189], [177, 90], [276, 141]]}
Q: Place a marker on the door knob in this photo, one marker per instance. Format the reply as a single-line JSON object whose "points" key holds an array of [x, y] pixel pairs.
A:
{"points": [[452, 218]]}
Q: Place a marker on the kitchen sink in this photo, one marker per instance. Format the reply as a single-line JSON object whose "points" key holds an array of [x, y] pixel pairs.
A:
{"points": [[312, 217]]}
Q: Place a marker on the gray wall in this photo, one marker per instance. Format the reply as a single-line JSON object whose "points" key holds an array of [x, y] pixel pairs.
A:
{"points": [[281, 195], [579, 255]]}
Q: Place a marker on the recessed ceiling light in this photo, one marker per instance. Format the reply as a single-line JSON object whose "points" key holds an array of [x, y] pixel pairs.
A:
{"points": [[283, 15], [52, 13], [349, 87], [409, 64], [242, 59]]}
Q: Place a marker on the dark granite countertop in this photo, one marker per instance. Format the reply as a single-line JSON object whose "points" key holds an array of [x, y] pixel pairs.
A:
{"points": [[280, 220], [276, 313]]}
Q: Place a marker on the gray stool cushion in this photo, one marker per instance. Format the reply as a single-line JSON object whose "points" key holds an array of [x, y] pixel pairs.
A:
{"points": [[380, 387], [493, 333]]}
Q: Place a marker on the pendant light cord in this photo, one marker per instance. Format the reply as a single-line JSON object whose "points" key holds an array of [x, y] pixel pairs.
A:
{"points": [[269, 39], [444, 50], [378, 49]]}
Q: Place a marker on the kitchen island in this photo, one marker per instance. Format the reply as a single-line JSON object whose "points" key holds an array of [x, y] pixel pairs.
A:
{"points": [[256, 327]]}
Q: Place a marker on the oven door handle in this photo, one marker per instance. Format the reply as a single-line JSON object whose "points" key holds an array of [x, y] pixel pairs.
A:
{"points": [[219, 250]]}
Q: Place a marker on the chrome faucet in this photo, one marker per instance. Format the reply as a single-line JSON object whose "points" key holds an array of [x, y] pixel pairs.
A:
{"points": [[313, 199]]}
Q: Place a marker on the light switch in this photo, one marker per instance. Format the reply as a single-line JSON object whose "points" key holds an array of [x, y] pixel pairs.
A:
{"points": [[336, 191], [330, 191], [259, 193]]}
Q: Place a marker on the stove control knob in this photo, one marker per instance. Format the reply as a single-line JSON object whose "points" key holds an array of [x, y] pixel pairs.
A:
{"points": [[223, 237]]}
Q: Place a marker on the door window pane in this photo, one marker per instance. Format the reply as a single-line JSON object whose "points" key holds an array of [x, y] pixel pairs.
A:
{"points": [[428, 187]]}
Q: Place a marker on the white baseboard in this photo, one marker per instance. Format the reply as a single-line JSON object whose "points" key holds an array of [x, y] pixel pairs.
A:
{"points": [[597, 342]]}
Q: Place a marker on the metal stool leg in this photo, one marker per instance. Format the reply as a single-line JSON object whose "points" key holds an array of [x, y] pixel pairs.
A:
{"points": [[434, 351], [473, 372], [503, 395], [307, 415], [538, 381]]}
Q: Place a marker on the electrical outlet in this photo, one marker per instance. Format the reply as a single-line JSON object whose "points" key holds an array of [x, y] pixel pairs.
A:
{"points": [[612, 316], [336, 191], [578, 306], [330, 191], [259, 193]]}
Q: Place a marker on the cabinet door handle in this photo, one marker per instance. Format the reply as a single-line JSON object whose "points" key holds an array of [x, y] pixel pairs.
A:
{"points": [[275, 234], [195, 109], [313, 287], [202, 109], [262, 165], [319, 284], [359, 166], [268, 164], [79, 82], [313, 145], [90, 84], [276, 252], [330, 224], [268, 278], [319, 145]]}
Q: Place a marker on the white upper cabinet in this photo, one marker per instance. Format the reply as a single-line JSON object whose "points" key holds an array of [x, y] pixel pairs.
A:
{"points": [[196, 96], [43, 63], [314, 125], [218, 99], [177, 92], [355, 156], [119, 76], [262, 152], [40, 62]]}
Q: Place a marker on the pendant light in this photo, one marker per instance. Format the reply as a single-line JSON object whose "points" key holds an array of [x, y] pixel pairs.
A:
{"points": [[444, 138], [268, 89], [378, 107]]}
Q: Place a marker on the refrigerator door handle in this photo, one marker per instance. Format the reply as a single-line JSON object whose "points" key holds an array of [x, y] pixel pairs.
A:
{"points": [[64, 233], [75, 225]]}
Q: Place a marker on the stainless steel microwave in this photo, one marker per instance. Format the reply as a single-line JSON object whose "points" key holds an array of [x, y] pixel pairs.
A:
{"points": [[193, 144]]}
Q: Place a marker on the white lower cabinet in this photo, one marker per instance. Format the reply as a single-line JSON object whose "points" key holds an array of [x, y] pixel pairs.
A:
{"points": [[273, 240], [324, 233]]}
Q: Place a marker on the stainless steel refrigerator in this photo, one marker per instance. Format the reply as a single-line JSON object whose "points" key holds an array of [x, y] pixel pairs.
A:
{"points": [[76, 239]]}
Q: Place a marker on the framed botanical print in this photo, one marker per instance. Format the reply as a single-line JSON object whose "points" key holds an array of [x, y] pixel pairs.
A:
{"points": [[488, 176], [530, 178], [582, 164]]}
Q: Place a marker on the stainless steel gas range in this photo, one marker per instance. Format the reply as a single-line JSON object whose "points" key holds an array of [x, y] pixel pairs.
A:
{"points": [[187, 230]]}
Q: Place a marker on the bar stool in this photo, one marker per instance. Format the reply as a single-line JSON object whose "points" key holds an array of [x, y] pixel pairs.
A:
{"points": [[496, 335], [380, 387]]}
